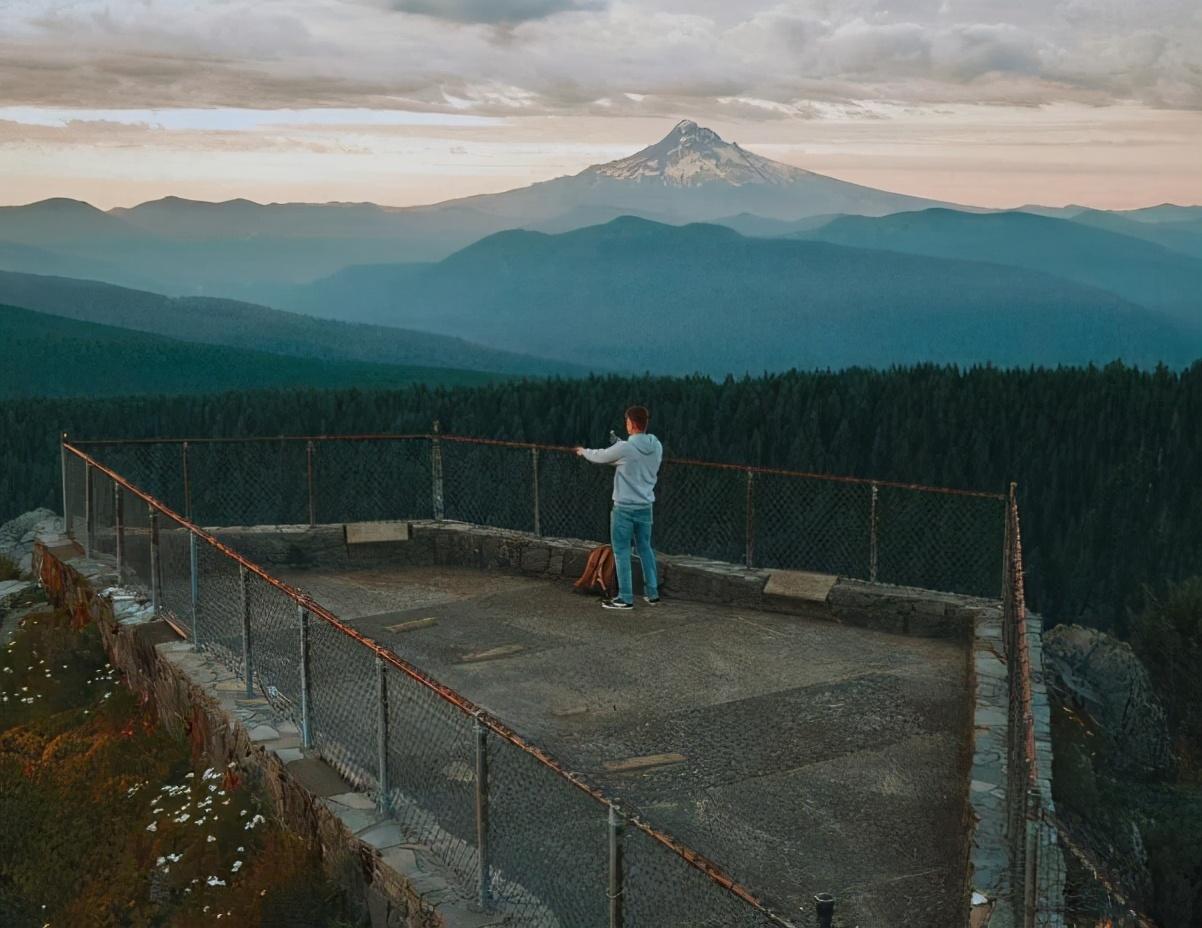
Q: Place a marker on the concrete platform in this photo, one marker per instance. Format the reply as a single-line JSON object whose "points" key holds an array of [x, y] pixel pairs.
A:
{"points": [[800, 754]]}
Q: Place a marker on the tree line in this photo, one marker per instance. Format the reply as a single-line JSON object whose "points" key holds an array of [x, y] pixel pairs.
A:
{"points": [[1108, 460]]}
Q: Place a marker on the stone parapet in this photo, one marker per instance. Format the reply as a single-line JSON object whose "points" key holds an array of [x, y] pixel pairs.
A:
{"points": [[400, 884]]}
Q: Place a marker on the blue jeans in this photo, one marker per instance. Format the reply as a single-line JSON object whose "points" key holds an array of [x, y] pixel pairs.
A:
{"points": [[627, 523]]}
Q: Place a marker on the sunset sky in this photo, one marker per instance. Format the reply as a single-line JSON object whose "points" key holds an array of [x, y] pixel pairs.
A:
{"points": [[412, 101]]}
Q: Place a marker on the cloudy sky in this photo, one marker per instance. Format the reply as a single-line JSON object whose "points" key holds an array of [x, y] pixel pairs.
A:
{"points": [[411, 101]]}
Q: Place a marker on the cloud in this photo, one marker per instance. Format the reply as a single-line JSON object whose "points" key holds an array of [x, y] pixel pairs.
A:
{"points": [[494, 11], [490, 57]]}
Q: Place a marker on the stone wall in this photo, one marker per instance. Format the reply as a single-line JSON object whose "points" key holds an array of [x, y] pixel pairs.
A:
{"points": [[397, 886], [899, 610]]}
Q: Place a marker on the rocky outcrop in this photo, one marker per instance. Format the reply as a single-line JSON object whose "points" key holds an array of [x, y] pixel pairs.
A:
{"points": [[17, 535], [1101, 675]]}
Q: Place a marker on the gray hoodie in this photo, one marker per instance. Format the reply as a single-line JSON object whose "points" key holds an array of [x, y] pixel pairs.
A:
{"points": [[636, 462]]}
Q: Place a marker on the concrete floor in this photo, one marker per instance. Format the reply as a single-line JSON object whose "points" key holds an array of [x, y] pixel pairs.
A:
{"points": [[819, 757]]}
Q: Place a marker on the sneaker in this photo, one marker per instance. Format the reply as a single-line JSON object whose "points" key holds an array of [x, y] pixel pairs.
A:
{"points": [[616, 604], [651, 600]]}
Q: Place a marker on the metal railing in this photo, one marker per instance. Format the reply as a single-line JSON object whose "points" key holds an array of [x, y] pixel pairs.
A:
{"points": [[875, 530], [1055, 882], [536, 841]]}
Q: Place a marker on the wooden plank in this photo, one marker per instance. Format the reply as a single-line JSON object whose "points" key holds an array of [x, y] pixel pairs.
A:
{"points": [[358, 533], [643, 763], [799, 584], [492, 654], [401, 627]]}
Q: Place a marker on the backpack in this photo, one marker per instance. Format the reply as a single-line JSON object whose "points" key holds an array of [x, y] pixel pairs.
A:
{"points": [[600, 576]]}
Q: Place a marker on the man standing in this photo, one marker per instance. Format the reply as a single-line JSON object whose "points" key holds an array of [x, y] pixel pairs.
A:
{"points": [[636, 465]]}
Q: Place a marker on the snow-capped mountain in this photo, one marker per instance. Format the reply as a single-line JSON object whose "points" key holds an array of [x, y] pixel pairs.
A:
{"points": [[691, 155], [692, 174]]}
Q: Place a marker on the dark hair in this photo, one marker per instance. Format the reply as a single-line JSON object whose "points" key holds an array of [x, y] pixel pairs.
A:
{"points": [[638, 415]]}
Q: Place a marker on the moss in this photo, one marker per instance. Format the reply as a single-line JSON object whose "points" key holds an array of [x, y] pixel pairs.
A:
{"points": [[8, 570], [107, 822]]}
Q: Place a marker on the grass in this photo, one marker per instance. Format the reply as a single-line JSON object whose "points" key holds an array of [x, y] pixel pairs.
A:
{"points": [[8, 570], [107, 820]]}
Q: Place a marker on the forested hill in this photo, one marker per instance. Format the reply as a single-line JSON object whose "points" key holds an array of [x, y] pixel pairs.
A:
{"points": [[247, 326], [48, 355], [1107, 460]]}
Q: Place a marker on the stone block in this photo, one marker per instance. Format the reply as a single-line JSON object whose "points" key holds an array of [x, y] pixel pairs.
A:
{"points": [[799, 585], [358, 533], [536, 558]]}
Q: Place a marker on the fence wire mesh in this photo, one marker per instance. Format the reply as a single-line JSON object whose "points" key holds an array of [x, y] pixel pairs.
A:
{"points": [[343, 700], [275, 646], [104, 515], [883, 532], [419, 751], [537, 824], [431, 772], [136, 531], [662, 890]]}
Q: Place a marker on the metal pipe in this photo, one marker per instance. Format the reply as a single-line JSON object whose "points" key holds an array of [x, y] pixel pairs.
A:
{"points": [[616, 869], [62, 448], [1031, 863], [538, 527], [247, 654], [305, 729], [156, 582], [872, 535], [482, 813], [824, 909], [312, 494], [187, 484], [436, 475], [194, 577], [749, 552], [119, 527], [89, 512], [382, 785]]}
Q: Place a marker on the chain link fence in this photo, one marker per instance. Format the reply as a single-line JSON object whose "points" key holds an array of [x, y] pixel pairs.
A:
{"points": [[879, 531], [530, 841]]}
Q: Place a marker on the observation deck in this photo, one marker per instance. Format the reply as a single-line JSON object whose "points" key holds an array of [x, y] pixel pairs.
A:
{"points": [[784, 723]]}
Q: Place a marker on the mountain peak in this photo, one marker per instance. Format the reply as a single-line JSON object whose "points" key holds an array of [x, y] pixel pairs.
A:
{"points": [[691, 155]]}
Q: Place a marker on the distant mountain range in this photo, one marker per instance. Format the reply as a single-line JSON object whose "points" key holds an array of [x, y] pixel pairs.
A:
{"points": [[184, 247], [610, 269], [248, 327], [47, 355], [1133, 268], [635, 294]]}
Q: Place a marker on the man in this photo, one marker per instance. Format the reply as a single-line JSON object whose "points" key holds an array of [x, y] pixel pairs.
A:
{"points": [[636, 465]]}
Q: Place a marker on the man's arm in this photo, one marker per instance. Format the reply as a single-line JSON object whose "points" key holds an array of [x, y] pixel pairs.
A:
{"points": [[610, 455]]}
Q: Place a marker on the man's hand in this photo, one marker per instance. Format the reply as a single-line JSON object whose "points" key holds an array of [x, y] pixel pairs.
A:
{"points": [[579, 449]]}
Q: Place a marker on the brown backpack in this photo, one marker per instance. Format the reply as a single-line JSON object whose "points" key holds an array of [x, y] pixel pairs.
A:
{"points": [[600, 576]]}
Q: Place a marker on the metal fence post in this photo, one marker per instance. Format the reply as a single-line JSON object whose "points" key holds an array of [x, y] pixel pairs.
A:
{"points": [[247, 655], [616, 869], [119, 528], [1031, 863], [89, 511], [872, 535], [381, 734], [750, 530], [1006, 530], [305, 730], [62, 448], [824, 909], [309, 472], [436, 474], [187, 485], [194, 578], [538, 524], [156, 582], [482, 812]]}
